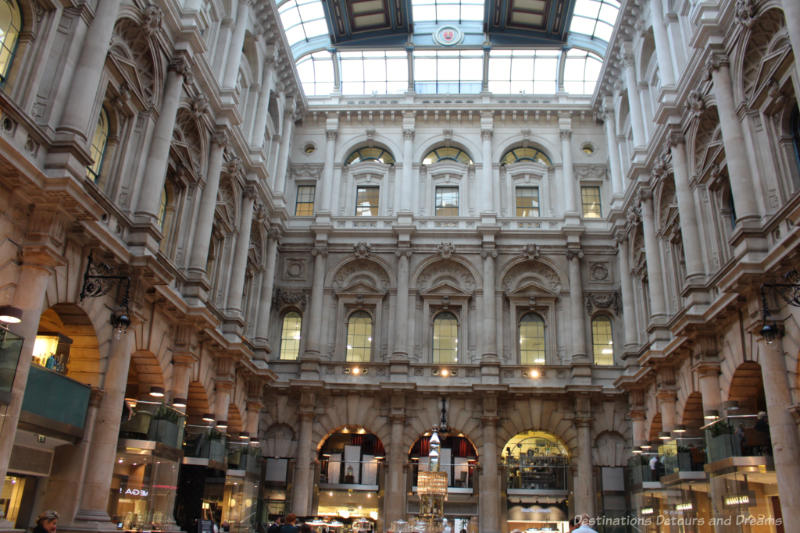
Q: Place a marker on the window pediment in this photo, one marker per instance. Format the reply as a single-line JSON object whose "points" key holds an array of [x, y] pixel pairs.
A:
{"points": [[531, 289], [448, 168], [370, 167], [360, 288], [445, 288], [526, 169]]}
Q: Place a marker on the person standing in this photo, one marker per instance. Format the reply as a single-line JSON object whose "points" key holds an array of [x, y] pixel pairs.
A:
{"points": [[46, 522], [289, 526], [276, 526]]}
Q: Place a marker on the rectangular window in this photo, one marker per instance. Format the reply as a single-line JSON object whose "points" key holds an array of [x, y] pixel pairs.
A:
{"points": [[527, 201], [446, 201], [305, 201], [590, 201], [367, 201]]}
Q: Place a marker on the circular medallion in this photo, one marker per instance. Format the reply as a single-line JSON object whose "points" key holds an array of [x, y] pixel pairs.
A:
{"points": [[448, 35]]}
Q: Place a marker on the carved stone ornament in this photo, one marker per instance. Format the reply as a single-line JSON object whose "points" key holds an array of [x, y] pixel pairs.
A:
{"points": [[602, 301], [199, 106], [295, 268], [151, 19], [745, 12], [362, 250], [362, 272], [527, 272], [180, 64], [446, 249], [295, 297], [220, 138], [695, 102], [234, 167], [446, 272], [599, 271], [531, 251]]}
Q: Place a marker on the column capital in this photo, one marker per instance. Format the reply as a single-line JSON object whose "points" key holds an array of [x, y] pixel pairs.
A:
{"points": [[676, 138], [220, 138], [489, 253], [486, 134], [181, 64], [574, 253], [408, 134], [716, 61], [565, 134], [331, 135], [250, 193], [404, 252], [645, 196], [583, 421], [319, 250]]}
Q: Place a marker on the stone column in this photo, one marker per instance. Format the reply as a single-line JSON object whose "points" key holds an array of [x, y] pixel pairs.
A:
{"points": [[99, 470], [222, 398], [257, 136], [313, 344], [28, 296], [301, 495], [490, 483], [401, 313], [584, 489], [654, 275], [569, 179], [326, 181], [253, 414], [264, 310], [198, 258], [666, 404], [613, 152], [158, 156], [237, 41], [626, 286], [708, 377], [489, 323], [695, 269], [395, 486], [240, 254], [634, 103], [663, 52], [181, 376], [791, 13], [405, 188], [782, 426], [637, 427], [576, 310], [77, 117], [283, 152], [741, 179], [486, 202]]}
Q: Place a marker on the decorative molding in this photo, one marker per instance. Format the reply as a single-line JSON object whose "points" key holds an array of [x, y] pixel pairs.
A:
{"points": [[531, 251], [445, 249], [603, 301], [362, 250]]}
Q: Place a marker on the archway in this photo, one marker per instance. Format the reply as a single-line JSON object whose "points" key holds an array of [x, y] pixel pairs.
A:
{"points": [[66, 343], [537, 466], [350, 476]]}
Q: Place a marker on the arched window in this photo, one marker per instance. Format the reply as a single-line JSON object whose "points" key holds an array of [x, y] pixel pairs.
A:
{"points": [[525, 153], [369, 153], [445, 338], [531, 340], [446, 153], [290, 336], [98, 148], [10, 26], [602, 341], [359, 337]]}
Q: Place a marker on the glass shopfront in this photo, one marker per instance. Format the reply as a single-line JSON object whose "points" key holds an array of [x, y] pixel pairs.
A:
{"points": [[17, 490], [143, 490]]}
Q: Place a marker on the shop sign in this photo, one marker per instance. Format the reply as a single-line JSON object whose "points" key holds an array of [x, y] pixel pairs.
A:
{"points": [[142, 493]]}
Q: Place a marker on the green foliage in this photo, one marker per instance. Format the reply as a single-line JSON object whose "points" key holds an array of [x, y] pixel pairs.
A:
{"points": [[165, 413], [213, 434], [723, 427]]}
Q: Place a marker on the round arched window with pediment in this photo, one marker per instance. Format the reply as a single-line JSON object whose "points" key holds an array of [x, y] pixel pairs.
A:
{"points": [[447, 153], [370, 153], [525, 153]]}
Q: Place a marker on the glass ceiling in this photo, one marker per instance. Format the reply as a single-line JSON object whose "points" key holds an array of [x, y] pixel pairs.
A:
{"points": [[440, 70]]}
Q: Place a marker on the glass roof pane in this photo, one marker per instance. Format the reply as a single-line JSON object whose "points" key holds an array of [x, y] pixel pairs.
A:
{"points": [[594, 18], [316, 73], [523, 71], [448, 71], [369, 72], [581, 70], [302, 20], [446, 10]]}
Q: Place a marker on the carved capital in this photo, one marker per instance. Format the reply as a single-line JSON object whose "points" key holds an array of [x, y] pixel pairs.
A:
{"points": [[565, 134], [319, 250], [716, 61], [220, 138], [331, 135], [489, 253], [676, 138], [407, 252], [181, 65], [574, 253], [408, 134], [486, 134]]}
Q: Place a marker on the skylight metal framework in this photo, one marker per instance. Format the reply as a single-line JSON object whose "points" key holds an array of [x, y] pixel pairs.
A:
{"points": [[359, 47]]}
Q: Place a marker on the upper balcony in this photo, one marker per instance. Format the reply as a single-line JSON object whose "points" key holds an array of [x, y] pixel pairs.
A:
{"points": [[54, 404]]}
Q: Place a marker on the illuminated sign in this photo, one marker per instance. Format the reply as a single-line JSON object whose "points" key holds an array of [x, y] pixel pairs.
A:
{"points": [[142, 493]]}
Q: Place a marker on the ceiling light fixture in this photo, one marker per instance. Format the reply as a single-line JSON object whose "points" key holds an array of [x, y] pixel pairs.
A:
{"points": [[10, 314]]}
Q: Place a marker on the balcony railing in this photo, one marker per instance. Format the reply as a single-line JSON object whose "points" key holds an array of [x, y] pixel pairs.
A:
{"points": [[243, 457], [736, 438], [546, 473], [204, 443], [155, 422], [55, 402]]}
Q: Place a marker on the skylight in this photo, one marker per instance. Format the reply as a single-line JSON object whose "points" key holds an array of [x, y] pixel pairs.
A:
{"points": [[316, 73], [595, 18], [446, 10], [374, 72], [302, 20], [581, 70], [512, 71], [448, 71]]}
